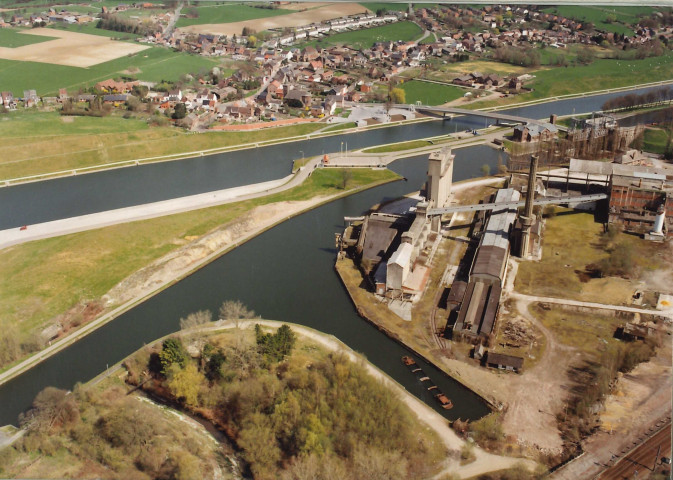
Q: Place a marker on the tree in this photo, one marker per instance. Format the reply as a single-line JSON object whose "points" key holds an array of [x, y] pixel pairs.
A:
{"points": [[252, 41], [346, 177], [172, 352], [195, 319], [52, 409], [398, 95], [235, 310], [585, 56], [10, 345], [180, 111], [276, 346], [185, 383], [485, 170]]}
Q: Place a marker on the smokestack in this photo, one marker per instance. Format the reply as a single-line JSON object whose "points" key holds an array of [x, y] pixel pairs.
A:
{"points": [[552, 118], [532, 180], [527, 218]]}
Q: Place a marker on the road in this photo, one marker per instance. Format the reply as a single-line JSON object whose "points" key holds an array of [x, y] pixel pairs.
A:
{"points": [[641, 461], [577, 303]]}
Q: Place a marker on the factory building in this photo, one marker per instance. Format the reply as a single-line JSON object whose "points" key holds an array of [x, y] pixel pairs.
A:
{"points": [[641, 200], [479, 307]]}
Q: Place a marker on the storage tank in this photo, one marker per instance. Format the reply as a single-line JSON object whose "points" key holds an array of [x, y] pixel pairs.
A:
{"points": [[659, 221]]}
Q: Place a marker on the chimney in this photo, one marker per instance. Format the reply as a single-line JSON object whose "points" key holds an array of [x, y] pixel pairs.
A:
{"points": [[552, 118]]}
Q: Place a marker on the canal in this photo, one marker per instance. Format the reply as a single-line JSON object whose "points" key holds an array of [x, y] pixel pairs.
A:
{"points": [[284, 274], [80, 195]]}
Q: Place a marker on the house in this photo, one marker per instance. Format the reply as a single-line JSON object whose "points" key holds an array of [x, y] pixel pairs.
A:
{"points": [[175, 95], [298, 98], [534, 132], [504, 362], [115, 99], [7, 99], [30, 98], [63, 95], [634, 331]]}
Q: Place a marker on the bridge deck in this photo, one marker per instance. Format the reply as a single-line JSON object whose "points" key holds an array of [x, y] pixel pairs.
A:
{"points": [[508, 205], [476, 113]]}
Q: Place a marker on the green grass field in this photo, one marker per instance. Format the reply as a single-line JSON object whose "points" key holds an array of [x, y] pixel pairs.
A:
{"points": [[398, 147], [154, 64], [229, 13], [37, 143], [365, 38], [430, 93], [91, 29], [12, 38], [394, 7], [655, 140], [601, 74], [597, 15]]}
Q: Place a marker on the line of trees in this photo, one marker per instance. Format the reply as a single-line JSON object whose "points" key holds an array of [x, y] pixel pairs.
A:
{"points": [[526, 57], [117, 23], [633, 100]]}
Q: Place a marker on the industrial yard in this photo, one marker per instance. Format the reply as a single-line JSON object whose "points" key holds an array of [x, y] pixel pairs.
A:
{"points": [[470, 278]]}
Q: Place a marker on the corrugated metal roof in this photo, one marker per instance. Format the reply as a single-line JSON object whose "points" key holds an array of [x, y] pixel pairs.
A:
{"points": [[501, 220], [590, 166], [490, 260]]}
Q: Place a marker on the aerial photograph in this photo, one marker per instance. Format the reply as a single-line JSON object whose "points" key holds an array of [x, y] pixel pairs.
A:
{"points": [[331, 240]]}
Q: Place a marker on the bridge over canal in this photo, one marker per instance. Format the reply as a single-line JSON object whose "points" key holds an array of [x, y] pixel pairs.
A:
{"points": [[497, 116], [567, 199]]}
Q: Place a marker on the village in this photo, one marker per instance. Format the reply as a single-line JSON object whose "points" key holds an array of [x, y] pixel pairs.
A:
{"points": [[270, 79]]}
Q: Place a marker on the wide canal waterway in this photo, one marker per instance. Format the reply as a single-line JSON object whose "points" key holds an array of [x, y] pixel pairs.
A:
{"points": [[284, 274], [107, 190]]}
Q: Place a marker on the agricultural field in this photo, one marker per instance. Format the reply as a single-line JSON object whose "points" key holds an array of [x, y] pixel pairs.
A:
{"points": [[394, 7], [290, 20], [70, 49], [360, 39], [227, 13], [153, 65], [14, 37], [430, 93], [601, 16], [90, 28]]}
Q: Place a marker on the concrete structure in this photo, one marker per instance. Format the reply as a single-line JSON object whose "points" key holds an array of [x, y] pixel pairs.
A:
{"points": [[641, 200], [534, 132], [528, 218], [440, 175], [398, 267]]}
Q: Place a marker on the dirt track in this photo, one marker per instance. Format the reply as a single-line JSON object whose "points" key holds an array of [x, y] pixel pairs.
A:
{"points": [[70, 48], [325, 12]]}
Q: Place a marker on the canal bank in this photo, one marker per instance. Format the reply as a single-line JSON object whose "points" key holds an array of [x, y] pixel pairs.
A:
{"points": [[171, 269], [286, 273]]}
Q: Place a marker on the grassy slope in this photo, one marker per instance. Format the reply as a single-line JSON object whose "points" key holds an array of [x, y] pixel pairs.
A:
{"points": [[430, 93], [601, 74], [572, 241], [597, 16], [155, 64], [44, 278], [35, 143], [229, 13], [12, 38], [366, 37]]}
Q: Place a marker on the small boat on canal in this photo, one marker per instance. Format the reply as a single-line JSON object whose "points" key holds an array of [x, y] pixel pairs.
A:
{"points": [[444, 401]]}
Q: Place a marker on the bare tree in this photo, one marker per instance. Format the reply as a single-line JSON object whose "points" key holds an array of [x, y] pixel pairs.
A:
{"points": [[235, 310], [195, 319]]}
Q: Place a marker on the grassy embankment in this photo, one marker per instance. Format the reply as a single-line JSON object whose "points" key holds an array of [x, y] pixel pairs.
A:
{"points": [[600, 16], [281, 416], [36, 143], [397, 147], [45, 278], [573, 244], [599, 75], [153, 65], [12, 38], [365, 38], [228, 13]]}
